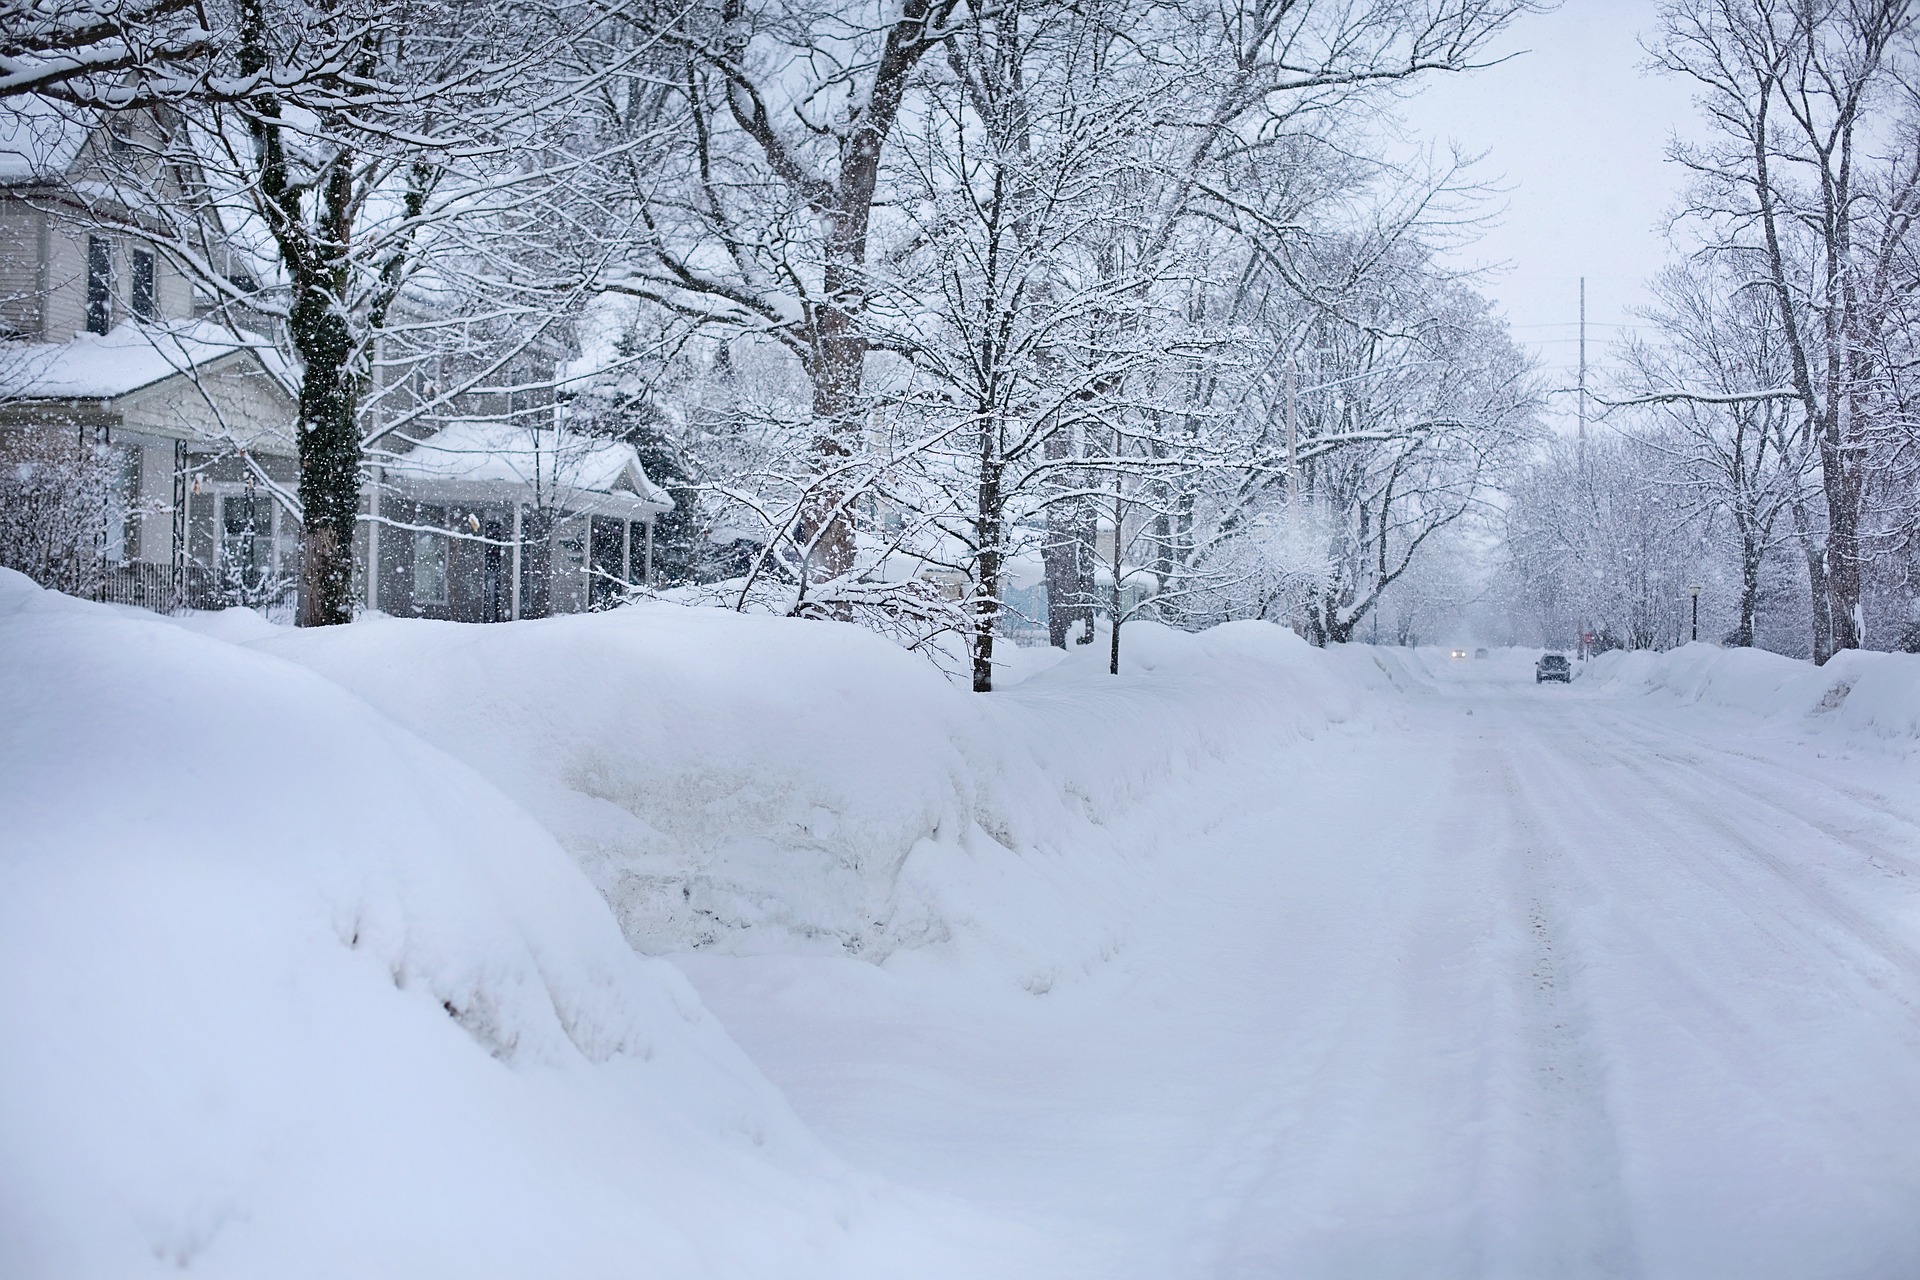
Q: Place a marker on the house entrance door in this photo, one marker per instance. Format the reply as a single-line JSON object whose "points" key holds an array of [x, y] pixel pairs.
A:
{"points": [[494, 604], [607, 581]]}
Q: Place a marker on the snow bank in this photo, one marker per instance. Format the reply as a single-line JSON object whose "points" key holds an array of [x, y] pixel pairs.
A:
{"points": [[1859, 691], [748, 782], [290, 992]]}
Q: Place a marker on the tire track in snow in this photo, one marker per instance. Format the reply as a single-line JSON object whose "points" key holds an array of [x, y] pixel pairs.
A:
{"points": [[1898, 862], [1565, 1180], [1895, 953], [1451, 1121], [1292, 1141], [1764, 1071]]}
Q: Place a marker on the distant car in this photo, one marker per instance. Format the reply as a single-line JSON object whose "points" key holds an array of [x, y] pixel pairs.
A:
{"points": [[1479, 653], [1458, 653], [1553, 666]]}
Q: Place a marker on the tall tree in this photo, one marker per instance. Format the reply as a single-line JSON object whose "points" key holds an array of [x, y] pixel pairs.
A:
{"points": [[1734, 452], [1813, 166], [786, 109]]}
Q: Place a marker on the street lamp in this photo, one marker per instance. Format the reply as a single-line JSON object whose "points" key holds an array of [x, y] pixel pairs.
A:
{"points": [[1696, 613]]}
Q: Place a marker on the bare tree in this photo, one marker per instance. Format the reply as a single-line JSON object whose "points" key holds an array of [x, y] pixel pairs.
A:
{"points": [[786, 110], [1016, 171], [56, 486], [1734, 453], [1814, 167], [103, 53]]}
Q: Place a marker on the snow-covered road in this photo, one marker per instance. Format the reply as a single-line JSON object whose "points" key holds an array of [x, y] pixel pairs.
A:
{"points": [[1504, 980]]}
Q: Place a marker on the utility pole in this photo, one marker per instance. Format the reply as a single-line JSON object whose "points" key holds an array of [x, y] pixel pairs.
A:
{"points": [[1581, 413], [1583, 369]]}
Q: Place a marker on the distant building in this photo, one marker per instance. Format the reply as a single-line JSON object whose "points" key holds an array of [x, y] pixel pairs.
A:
{"points": [[104, 342]]}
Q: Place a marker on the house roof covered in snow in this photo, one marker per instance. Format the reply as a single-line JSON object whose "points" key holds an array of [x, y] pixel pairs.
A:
{"points": [[481, 460], [123, 360], [39, 140]]}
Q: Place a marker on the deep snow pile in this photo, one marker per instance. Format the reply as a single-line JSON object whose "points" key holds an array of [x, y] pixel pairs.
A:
{"points": [[1855, 691], [288, 991], [299, 985], [750, 783]]}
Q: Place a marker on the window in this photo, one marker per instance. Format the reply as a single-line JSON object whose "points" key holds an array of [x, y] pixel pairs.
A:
{"points": [[123, 522], [99, 284], [141, 301], [429, 568], [246, 543], [604, 585]]}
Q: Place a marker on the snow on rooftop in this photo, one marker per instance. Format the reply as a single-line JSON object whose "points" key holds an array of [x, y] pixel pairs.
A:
{"points": [[125, 359], [482, 455], [39, 140]]}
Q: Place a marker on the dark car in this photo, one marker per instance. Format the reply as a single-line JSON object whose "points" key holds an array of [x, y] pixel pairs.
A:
{"points": [[1553, 666]]}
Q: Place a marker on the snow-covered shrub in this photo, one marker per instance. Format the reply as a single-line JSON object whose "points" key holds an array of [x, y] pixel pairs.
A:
{"points": [[55, 488]]}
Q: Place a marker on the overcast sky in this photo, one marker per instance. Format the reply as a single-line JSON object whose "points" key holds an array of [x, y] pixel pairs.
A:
{"points": [[1577, 133]]}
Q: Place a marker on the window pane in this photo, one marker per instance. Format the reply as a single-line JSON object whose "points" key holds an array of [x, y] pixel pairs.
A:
{"points": [[246, 542], [429, 568], [142, 300], [99, 284]]}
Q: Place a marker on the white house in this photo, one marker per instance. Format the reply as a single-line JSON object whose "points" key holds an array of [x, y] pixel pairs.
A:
{"points": [[104, 336]]}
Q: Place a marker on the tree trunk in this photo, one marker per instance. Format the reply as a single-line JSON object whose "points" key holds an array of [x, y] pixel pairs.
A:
{"points": [[988, 524], [1820, 622], [1842, 555], [1113, 656], [1067, 556], [838, 368], [1750, 557], [329, 462]]}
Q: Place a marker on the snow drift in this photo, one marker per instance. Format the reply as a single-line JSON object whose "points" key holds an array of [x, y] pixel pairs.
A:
{"points": [[760, 783], [1856, 691], [290, 992]]}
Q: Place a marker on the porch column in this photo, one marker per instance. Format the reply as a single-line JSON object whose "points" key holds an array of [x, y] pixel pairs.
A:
{"points": [[178, 564], [373, 543], [649, 552], [515, 613], [626, 552]]}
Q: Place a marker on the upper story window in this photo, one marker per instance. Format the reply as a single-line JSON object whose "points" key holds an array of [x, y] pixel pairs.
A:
{"points": [[142, 300], [99, 284]]}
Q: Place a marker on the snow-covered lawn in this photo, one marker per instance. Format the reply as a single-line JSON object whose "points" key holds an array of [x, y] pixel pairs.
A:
{"points": [[1255, 961]]}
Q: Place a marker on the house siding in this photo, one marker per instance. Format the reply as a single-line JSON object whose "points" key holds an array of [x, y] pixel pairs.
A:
{"points": [[64, 285], [21, 306], [233, 400]]}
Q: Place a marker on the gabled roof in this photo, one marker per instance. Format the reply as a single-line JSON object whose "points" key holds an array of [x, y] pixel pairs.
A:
{"points": [[39, 140], [129, 357], [479, 459]]}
